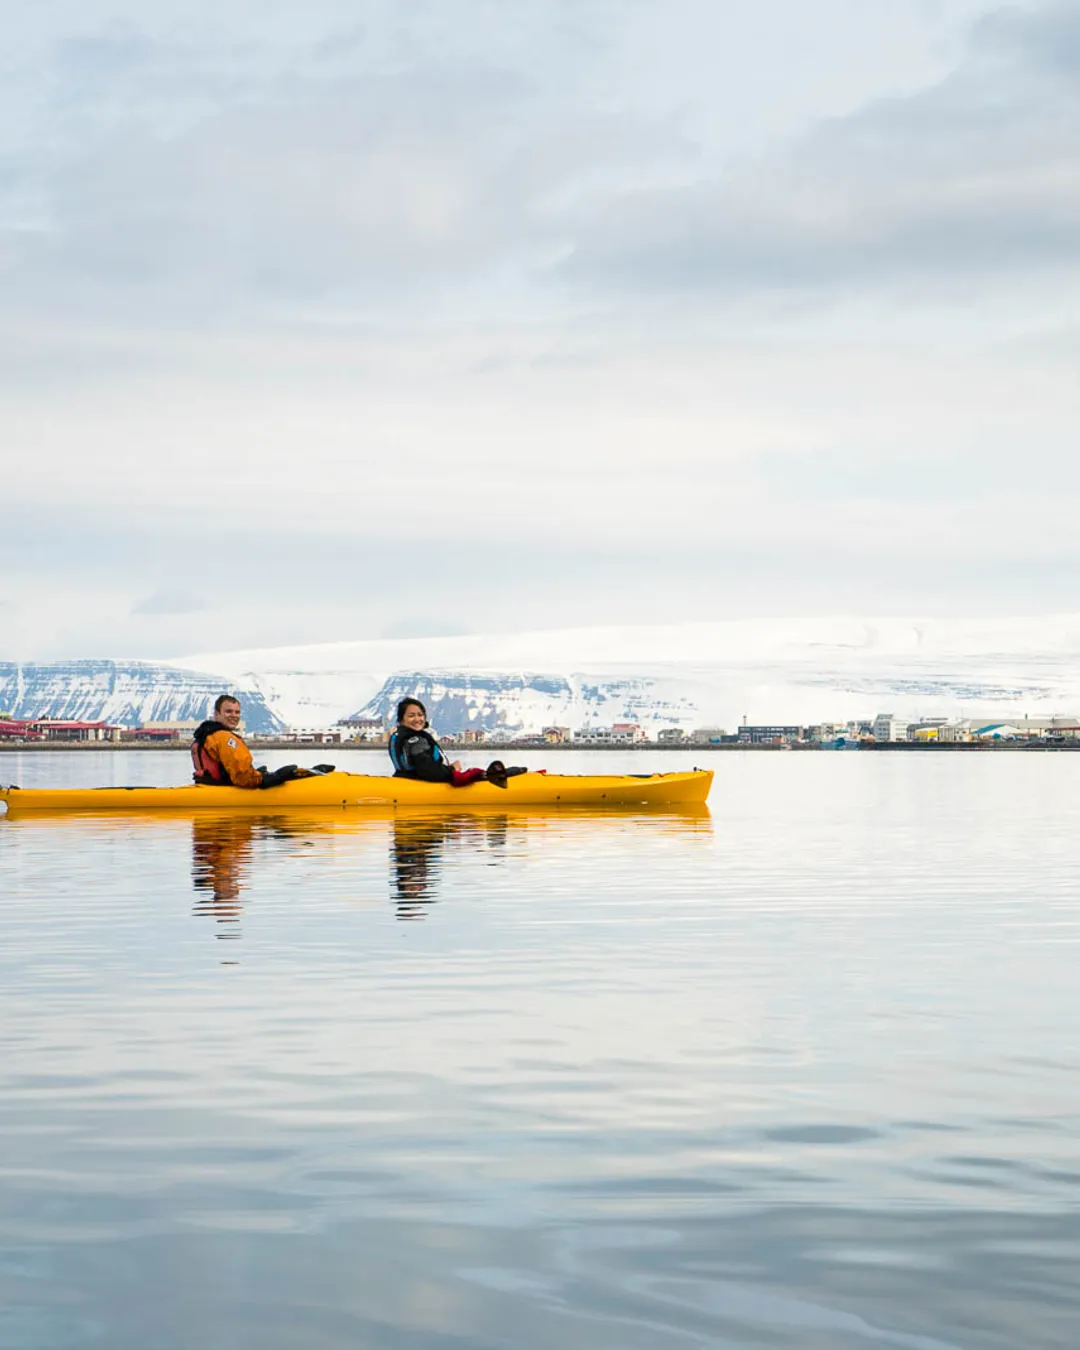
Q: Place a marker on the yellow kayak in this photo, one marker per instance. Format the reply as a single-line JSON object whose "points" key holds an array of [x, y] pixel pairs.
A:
{"points": [[369, 790]]}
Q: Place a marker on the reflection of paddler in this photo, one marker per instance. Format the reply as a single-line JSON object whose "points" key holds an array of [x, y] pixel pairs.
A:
{"points": [[220, 860], [416, 854], [415, 858]]}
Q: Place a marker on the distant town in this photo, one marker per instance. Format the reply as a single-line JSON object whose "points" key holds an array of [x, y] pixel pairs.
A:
{"points": [[885, 731]]}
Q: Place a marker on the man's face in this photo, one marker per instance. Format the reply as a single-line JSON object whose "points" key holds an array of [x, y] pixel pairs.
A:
{"points": [[229, 713]]}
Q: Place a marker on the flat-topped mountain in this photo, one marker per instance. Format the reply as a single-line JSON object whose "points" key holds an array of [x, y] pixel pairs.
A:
{"points": [[125, 693]]}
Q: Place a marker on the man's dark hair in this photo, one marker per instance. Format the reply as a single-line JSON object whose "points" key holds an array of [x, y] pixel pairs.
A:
{"points": [[407, 703], [222, 699]]}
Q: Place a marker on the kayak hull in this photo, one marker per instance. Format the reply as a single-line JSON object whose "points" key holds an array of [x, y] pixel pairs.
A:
{"points": [[355, 790]]}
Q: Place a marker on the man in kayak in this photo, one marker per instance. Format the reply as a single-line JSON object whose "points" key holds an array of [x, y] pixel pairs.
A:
{"points": [[415, 753], [220, 758]]}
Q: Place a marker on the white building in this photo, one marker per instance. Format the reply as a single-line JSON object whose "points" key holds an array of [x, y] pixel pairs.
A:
{"points": [[592, 736], [363, 729], [949, 729], [887, 727], [309, 735], [672, 736], [622, 733]]}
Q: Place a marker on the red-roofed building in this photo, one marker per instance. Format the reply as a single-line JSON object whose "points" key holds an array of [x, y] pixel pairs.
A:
{"points": [[18, 731], [55, 729]]}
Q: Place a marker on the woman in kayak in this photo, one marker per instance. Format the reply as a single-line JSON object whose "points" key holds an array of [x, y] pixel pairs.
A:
{"points": [[416, 753]]}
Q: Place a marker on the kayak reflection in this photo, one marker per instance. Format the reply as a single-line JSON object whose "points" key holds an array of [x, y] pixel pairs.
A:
{"points": [[417, 851], [423, 851], [221, 850]]}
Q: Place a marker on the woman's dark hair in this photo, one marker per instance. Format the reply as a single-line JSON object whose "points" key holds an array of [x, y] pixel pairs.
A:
{"points": [[407, 703]]}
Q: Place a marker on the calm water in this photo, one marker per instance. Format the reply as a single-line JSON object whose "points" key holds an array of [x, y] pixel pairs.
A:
{"points": [[804, 1073]]}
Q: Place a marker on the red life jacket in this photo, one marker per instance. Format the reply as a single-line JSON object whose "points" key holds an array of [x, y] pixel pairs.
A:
{"points": [[205, 768]]}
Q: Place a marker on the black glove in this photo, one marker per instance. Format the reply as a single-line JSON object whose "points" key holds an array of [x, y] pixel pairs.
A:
{"points": [[496, 773], [283, 775], [323, 768]]}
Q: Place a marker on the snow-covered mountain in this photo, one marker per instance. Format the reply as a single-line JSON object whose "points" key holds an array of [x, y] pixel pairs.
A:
{"points": [[798, 671], [786, 671], [520, 704], [125, 693]]}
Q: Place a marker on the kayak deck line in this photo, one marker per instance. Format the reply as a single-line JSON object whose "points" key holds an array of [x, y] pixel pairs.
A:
{"points": [[352, 790]]}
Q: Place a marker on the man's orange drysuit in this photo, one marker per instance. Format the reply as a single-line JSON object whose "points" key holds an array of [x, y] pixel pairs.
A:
{"points": [[219, 756]]}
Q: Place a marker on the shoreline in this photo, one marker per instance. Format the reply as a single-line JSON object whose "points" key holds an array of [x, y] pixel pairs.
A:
{"points": [[697, 747]]}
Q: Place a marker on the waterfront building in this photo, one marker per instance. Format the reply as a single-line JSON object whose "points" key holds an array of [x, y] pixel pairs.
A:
{"points": [[13, 730], [622, 733], [1061, 732], [1056, 727], [308, 736], [162, 732], [822, 731], [997, 731], [888, 727], [57, 729], [769, 735], [364, 729], [955, 732], [592, 736]]}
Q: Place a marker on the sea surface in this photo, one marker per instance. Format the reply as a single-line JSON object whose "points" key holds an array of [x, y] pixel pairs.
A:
{"points": [[801, 1072]]}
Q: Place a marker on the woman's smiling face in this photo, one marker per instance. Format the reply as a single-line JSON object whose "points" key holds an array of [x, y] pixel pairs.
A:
{"points": [[414, 718]]}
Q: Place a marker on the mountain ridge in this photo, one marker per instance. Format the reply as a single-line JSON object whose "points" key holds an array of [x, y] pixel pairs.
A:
{"points": [[796, 670], [716, 673]]}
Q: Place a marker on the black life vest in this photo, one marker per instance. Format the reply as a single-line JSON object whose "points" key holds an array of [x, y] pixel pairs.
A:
{"points": [[407, 746], [206, 769]]}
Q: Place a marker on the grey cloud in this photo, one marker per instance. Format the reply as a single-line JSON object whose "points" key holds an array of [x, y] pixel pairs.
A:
{"points": [[358, 191], [974, 178], [832, 475], [341, 190], [99, 58], [170, 602], [340, 45], [1046, 36], [281, 580], [404, 164], [194, 180]]}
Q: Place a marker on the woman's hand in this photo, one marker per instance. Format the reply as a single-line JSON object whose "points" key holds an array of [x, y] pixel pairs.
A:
{"points": [[456, 765]]}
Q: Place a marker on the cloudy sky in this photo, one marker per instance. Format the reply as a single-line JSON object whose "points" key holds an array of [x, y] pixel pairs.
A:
{"points": [[408, 317]]}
